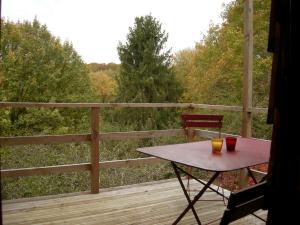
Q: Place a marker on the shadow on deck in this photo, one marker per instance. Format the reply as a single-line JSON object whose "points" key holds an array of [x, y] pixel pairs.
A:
{"points": [[148, 203]]}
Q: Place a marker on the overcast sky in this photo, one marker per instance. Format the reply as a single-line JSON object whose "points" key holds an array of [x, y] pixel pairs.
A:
{"points": [[95, 27]]}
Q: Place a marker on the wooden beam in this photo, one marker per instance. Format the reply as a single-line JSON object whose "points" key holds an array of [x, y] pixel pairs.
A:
{"points": [[51, 139], [158, 133], [247, 81], [95, 150], [118, 105], [130, 162], [45, 170], [92, 105], [259, 110], [44, 139], [141, 134], [218, 107], [248, 69], [36, 171], [128, 105], [212, 134]]}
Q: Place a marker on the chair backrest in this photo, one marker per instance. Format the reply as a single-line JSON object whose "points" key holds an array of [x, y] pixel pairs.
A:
{"points": [[202, 121], [244, 202]]}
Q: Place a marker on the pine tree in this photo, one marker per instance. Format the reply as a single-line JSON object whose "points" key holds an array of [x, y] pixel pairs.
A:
{"points": [[146, 69]]}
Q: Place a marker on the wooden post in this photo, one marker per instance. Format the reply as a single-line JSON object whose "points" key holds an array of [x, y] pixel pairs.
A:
{"points": [[248, 69], [94, 150], [247, 81]]}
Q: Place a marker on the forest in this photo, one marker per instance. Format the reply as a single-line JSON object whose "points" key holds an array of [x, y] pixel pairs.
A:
{"points": [[36, 66]]}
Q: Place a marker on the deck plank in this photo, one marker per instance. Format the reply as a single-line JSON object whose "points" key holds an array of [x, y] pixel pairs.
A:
{"points": [[149, 203]]}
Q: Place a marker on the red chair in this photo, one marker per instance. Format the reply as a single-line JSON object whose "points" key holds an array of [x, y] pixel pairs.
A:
{"points": [[201, 121], [192, 121]]}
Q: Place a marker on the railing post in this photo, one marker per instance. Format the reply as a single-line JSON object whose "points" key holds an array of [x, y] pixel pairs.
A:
{"points": [[94, 150], [248, 69], [247, 81]]}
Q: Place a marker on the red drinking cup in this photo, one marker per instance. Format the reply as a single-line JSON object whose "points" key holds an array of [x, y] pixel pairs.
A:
{"points": [[230, 143]]}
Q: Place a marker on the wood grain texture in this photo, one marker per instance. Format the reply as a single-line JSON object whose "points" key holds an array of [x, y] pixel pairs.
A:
{"points": [[44, 139], [45, 170], [95, 150], [150, 203]]}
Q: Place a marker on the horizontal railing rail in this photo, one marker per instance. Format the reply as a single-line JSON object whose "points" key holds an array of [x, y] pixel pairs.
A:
{"points": [[95, 137], [128, 105]]}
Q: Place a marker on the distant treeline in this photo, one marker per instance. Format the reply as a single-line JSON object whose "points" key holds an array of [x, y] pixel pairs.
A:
{"points": [[95, 67]]}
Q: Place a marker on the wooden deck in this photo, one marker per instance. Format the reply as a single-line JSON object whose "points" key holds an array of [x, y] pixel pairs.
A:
{"points": [[149, 203]]}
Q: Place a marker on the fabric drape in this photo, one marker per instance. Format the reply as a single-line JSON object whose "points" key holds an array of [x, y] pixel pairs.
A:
{"points": [[284, 165]]}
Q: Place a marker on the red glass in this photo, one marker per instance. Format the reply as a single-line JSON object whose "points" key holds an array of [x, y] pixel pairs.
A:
{"points": [[230, 143]]}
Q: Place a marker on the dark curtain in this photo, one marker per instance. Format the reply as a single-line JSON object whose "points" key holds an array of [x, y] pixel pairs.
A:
{"points": [[284, 167]]}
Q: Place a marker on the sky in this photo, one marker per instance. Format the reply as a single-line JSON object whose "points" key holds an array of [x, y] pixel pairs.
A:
{"points": [[95, 27]]}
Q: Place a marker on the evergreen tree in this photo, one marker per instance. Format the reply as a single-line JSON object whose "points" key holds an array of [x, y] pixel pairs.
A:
{"points": [[146, 73]]}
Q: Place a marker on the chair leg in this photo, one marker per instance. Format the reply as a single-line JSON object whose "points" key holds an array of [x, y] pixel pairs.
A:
{"points": [[188, 181], [222, 188], [224, 199], [188, 187]]}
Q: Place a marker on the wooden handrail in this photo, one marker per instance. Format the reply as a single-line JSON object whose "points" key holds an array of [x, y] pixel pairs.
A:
{"points": [[127, 105]]}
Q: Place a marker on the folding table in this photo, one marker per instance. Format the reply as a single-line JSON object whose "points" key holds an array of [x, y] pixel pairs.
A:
{"points": [[248, 152]]}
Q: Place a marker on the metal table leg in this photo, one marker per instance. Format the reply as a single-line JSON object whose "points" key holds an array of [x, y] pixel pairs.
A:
{"points": [[191, 202], [203, 183]]}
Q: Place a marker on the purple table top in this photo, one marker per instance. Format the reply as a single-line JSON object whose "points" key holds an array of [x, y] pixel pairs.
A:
{"points": [[248, 152]]}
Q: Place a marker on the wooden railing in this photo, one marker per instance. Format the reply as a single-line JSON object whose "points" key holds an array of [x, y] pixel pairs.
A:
{"points": [[95, 137]]}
